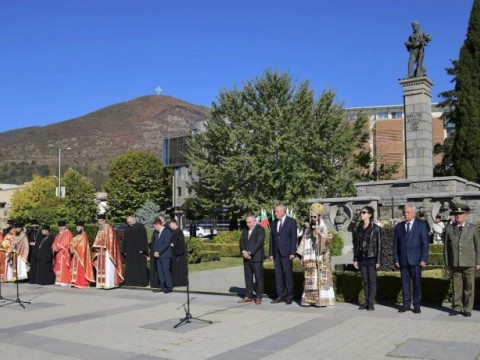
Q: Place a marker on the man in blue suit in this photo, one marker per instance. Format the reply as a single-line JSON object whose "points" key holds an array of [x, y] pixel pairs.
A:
{"points": [[163, 255], [283, 245], [410, 254]]}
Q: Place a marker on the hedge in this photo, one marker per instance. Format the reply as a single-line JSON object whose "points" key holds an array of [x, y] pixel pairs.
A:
{"points": [[436, 284]]}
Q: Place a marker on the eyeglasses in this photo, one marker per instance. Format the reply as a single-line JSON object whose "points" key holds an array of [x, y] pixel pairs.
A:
{"points": [[313, 217], [365, 212]]}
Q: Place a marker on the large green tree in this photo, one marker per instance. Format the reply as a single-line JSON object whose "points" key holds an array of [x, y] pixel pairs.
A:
{"points": [[135, 177], [466, 144], [271, 141], [37, 201], [79, 202]]}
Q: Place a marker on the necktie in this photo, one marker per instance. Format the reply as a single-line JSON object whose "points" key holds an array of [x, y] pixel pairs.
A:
{"points": [[460, 228], [280, 225], [408, 227]]}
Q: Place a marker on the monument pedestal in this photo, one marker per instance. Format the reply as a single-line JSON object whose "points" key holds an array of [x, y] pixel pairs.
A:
{"points": [[418, 128]]}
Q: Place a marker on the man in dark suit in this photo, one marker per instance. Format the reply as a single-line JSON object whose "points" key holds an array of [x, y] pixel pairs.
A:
{"points": [[462, 256], [163, 255], [410, 254], [283, 245], [251, 247]]}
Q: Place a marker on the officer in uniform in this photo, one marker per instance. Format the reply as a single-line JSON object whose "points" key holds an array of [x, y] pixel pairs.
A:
{"points": [[462, 257]]}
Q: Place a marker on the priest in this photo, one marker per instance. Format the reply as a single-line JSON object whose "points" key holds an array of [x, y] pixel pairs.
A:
{"points": [[61, 250], [41, 260], [179, 256], [107, 259], [81, 268], [135, 250]]}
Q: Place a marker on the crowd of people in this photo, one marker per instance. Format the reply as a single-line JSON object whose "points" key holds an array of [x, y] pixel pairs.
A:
{"points": [[66, 260], [410, 255]]}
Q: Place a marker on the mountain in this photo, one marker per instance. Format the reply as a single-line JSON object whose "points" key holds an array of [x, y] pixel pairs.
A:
{"points": [[96, 138]]}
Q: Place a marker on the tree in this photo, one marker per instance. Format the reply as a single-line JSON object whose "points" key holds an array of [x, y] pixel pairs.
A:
{"points": [[147, 213], [272, 142], [466, 143], [79, 202], [135, 177], [37, 200], [193, 208]]}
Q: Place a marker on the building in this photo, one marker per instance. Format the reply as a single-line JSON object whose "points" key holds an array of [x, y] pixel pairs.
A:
{"points": [[386, 142], [6, 192]]}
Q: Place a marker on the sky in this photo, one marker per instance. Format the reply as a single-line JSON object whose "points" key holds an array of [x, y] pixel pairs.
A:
{"points": [[62, 59]]}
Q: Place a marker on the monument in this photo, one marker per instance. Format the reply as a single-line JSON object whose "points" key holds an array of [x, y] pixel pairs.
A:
{"points": [[433, 194]]}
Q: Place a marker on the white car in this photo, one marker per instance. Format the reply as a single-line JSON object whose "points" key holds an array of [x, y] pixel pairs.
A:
{"points": [[201, 232]]}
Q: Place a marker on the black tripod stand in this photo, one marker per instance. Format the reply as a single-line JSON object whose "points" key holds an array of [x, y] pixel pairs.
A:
{"points": [[188, 317], [17, 300]]}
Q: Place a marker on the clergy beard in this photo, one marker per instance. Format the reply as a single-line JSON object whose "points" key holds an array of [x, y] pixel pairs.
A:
{"points": [[101, 226], [18, 232], [79, 232]]}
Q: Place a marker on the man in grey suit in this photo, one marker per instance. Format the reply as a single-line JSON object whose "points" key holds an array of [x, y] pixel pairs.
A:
{"points": [[410, 255], [163, 255], [462, 256], [251, 247]]}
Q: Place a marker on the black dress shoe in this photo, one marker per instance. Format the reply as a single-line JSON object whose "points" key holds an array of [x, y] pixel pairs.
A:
{"points": [[278, 300], [467, 314], [288, 301], [454, 313], [362, 307], [167, 291], [370, 308], [157, 290], [403, 309], [416, 310]]}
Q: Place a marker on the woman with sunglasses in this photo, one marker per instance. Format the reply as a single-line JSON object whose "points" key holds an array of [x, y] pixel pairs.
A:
{"points": [[367, 240]]}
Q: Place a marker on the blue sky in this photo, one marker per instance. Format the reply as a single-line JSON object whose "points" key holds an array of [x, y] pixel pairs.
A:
{"points": [[61, 59]]}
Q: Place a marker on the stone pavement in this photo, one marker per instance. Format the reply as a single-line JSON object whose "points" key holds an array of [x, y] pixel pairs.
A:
{"points": [[68, 323]]}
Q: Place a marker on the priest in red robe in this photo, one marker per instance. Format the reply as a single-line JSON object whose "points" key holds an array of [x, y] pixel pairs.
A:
{"points": [[61, 250], [81, 268]]}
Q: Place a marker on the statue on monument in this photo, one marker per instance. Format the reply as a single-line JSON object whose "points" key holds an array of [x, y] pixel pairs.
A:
{"points": [[340, 218], [416, 47]]}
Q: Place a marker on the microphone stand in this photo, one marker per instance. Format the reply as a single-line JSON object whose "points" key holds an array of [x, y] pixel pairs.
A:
{"points": [[17, 300], [186, 306]]}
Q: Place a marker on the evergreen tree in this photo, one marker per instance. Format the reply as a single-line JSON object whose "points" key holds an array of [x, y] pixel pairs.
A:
{"points": [[147, 213], [271, 142], [135, 177], [79, 202], [466, 144]]}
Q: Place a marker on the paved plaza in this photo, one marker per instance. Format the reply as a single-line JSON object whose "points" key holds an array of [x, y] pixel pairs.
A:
{"points": [[68, 323]]}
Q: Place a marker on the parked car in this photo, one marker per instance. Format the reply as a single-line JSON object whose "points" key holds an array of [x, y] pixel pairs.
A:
{"points": [[201, 232]]}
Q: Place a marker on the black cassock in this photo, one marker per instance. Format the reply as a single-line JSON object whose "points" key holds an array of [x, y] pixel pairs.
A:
{"points": [[179, 259], [153, 263], [135, 249], [34, 234], [41, 266]]}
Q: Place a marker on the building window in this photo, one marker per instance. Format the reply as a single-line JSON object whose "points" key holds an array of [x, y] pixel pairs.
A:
{"points": [[179, 191], [382, 115], [397, 115]]}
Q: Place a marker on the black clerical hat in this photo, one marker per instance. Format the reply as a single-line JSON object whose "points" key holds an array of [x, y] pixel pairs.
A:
{"points": [[18, 224], [34, 222], [80, 223], [10, 222], [46, 227], [101, 216], [62, 223]]}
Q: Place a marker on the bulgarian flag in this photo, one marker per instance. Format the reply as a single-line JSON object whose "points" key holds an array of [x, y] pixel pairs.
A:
{"points": [[264, 219]]}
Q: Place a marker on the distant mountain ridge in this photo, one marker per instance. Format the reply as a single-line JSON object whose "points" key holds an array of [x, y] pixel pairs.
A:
{"points": [[98, 137]]}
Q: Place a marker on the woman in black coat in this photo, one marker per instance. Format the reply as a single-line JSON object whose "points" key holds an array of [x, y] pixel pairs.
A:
{"points": [[367, 241]]}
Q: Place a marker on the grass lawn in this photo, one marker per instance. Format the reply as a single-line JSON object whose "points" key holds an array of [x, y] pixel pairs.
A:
{"points": [[224, 262]]}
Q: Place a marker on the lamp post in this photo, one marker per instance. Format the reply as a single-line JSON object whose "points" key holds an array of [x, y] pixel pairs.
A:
{"points": [[59, 194]]}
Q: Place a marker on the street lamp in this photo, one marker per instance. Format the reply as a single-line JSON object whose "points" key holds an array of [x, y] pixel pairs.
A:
{"points": [[59, 193]]}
